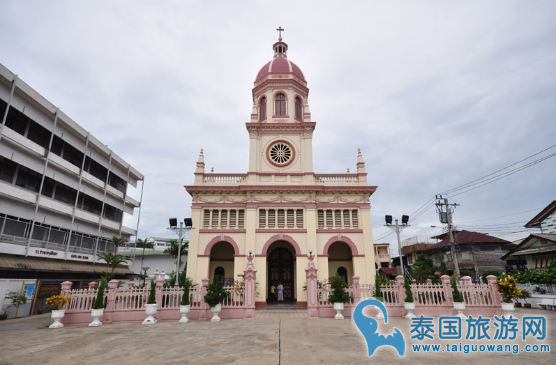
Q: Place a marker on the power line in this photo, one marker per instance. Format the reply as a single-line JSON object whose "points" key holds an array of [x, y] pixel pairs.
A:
{"points": [[502, 169], [502, 216]]}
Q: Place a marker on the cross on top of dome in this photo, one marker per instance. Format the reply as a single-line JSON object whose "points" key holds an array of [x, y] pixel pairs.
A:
{"points": [[280, 48]]}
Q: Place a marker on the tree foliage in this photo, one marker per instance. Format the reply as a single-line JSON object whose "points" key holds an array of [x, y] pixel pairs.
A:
{"points": [[534, 276], [339, 294], [423, 268], [408, 292], [457, 295], [215, 293], [378, 283], [152, 293], [99, 301]]}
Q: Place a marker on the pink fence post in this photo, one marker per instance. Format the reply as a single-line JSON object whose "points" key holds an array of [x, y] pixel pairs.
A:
{"points": [[448, 291], [130, 284], [356, 290], [466, 280], [429, 282], [112, 287], [400, 288], [250, 276], [159, 284], [93, 284], [495, 295], [204, 307], [66, 287], [312, 295]]}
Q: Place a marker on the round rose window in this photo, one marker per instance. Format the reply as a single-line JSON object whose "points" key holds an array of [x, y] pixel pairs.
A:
{"points": [[280, 153]]}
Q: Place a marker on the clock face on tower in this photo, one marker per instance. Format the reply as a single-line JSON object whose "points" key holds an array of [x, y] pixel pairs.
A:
{"points": [[280, 153]]}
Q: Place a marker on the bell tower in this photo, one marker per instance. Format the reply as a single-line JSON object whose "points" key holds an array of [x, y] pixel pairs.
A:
{"points": [[280, 130]]}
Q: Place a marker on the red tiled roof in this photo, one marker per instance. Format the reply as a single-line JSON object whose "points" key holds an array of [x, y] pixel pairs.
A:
{"points": [[467, 238], [389, 270]]}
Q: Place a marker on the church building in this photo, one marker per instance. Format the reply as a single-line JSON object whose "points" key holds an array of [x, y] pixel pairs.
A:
{"points": [[281, 210]]}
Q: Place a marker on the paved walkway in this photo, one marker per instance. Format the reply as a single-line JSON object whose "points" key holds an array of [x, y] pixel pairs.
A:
{"points": [[276, 340]]}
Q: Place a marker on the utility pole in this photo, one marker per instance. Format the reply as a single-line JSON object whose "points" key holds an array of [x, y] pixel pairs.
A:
{"points": [[398, 228], [181, 233], [448, 219]]}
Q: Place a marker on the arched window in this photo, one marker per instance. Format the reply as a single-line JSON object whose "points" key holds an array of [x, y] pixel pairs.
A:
{"points": [[262, 111], [342, 271], [298, 108], [280, 105], [219, 274]]}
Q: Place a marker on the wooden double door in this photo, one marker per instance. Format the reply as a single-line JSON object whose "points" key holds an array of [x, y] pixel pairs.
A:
{"points": [[281, 264]]}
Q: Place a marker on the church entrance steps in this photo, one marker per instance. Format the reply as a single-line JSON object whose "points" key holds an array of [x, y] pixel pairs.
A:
{"points": [[281, 307]]}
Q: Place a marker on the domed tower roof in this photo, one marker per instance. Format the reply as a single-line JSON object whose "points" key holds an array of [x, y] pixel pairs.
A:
{"points": [[280, 66]]}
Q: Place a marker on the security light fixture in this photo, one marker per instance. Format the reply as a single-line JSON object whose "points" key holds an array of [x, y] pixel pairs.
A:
{"points": [[388, 219], [188, 222], [405, 219], [173, 222]]}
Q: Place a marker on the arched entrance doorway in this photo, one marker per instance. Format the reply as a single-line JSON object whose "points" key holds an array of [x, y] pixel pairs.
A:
{"points": [[281, 269], [340, 261], [222, 263]]}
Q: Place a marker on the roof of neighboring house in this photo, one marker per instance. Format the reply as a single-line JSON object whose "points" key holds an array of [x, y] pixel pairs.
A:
{"points": [[381, 244], [389, 270], [469, 238], [444, 235], [524, 247], [545, 213]]}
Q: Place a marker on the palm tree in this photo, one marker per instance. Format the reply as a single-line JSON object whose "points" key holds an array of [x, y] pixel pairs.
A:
{"points": [[143, 244], [112, 259], [118, 241], [173, 249]]}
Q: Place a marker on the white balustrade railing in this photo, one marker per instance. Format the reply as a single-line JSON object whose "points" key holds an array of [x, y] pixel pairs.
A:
{"points": [[337, 179], [224, 178], [130, 299]]}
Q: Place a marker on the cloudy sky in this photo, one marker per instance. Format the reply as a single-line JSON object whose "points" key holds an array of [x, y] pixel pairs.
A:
{"points": [[436, 94]]}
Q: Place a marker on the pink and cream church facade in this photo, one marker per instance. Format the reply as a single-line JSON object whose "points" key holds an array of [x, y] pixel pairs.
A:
{"points": [[280, 210]]}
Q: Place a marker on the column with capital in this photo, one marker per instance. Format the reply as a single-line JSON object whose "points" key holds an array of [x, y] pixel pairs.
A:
{"points": [[312, 288], [250, 276]]}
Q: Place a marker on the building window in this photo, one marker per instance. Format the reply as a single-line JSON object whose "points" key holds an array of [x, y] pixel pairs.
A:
{"points": [[342, 272], [224, 218], [298, 109], [280, 105], [280, 218], [280, 153], [39, 134], [262, 109], [337, 219], [65, 194], [7, 170], [28, 179]]}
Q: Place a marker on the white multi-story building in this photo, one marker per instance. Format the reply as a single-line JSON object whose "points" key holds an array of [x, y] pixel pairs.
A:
{"points": [[63, 193]]}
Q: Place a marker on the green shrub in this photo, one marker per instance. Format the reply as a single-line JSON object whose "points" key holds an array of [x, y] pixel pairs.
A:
{"points": [[408, 293], [187, 285], [215, 293], [152, 293], [339, 294], [457, 296], [378, 291], [99, 302]]}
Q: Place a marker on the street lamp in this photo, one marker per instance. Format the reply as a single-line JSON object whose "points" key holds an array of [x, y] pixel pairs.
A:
{"points": [[181, 232], [398, 228]]}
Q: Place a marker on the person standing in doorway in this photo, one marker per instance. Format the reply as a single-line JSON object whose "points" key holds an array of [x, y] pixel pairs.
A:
{"points": [[273, 292], [280, 292]]}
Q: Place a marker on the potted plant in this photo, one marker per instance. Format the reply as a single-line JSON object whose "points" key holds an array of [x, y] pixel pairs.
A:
{"points": [[58, 302], [525, 295], [214, 298], [98, 307], [408, 302], [185, 306], [338, 296], [150, 307], [16, 300], [459, 302], [508, 290]]}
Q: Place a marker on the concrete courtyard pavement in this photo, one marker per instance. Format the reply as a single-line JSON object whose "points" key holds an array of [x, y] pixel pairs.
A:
{"points": [[286, 337]]}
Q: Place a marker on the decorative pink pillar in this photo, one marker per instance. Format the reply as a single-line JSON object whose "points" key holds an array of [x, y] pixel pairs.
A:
{"points": [[130, 284], [204, 307], [312, 295], [112, 287], [66, 287], [448, 291], [159, 284], [466, 280], [495, 295], [400, 293], [356, 290], [429, 282], [93, 284], [250, 276]]}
